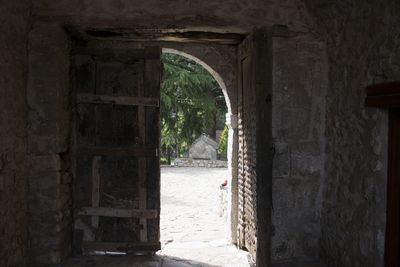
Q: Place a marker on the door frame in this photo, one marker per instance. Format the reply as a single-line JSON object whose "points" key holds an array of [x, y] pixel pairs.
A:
{"points": [[257, 49], [387, 96]]}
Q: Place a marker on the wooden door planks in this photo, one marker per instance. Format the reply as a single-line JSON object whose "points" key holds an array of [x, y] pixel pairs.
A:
{"points": [[95, 188], [118, 212], [136, 151], [393, 192], [142, 166], [117, 100], [144, 149], [387, 96], [255, 112]]}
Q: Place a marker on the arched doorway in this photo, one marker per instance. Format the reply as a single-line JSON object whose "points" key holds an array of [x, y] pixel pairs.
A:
{"points": [[221, 64], [182, 187]]}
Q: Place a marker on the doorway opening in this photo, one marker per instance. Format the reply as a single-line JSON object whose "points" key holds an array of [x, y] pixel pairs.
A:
{"points": [[114, 97], [194, 221]]}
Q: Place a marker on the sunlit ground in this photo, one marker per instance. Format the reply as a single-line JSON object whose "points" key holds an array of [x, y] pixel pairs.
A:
{"points": [[192, 224]]}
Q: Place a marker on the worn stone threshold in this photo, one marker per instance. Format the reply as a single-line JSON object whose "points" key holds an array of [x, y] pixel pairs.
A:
{"points": [[299, 264], [131, 261], [156, 261]]}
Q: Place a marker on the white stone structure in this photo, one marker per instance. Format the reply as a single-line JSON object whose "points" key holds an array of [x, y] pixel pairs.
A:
{"points": [[204, 148]]}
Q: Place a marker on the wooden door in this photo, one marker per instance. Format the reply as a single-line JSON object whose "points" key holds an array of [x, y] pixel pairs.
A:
{"points": [[387, 96], [117, 172], [392, 245], [255, 142]]}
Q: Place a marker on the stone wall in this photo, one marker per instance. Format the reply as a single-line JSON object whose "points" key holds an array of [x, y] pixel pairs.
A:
{"points": [[14, 26], [48, 129], [186, 162], [240, 18], [220, 16], [227, 15], [299, 91], [363, 44], [299, 84]]}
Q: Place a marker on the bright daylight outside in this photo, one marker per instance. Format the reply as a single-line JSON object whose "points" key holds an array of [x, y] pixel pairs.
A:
{"points": [[194, 174]]}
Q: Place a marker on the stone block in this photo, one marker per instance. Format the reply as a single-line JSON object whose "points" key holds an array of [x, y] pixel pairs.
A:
{"points": [[295, 218], [44, 180], [291, 124], [44, 163], [188, 162], [281, 160], [43, 145], [47, 200], [66, 178], [50, 235], [42, 257], [306, 159], [15, 23], [48, 90], [204, 148]]}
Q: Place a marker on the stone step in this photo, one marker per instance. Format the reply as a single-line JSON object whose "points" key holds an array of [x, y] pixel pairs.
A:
{"points": [[299, 264]]}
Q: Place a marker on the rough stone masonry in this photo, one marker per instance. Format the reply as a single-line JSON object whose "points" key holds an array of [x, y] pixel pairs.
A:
{"points": [[14, 26]]}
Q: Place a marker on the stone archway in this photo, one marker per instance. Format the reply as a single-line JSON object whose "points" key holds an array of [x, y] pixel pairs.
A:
{"points": [[213, 73]]}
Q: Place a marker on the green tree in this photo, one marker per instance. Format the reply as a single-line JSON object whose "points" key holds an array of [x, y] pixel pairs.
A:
{"points": [[223, 143], [192, 103]]}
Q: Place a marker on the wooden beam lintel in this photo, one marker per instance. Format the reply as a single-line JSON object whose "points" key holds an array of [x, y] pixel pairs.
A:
{"points": [[386, 95], [383, 101]]}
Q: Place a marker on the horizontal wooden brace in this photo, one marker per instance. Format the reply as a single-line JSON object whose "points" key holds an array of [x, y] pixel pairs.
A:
{"points": [[118, 100], [391, 88], [386, 95], [114, 151], [384, 101], [88, 246], [156, 35], [119, 213]]}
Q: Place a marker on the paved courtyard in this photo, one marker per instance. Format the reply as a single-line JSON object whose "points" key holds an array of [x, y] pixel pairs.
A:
{"points": [[192, 228]]}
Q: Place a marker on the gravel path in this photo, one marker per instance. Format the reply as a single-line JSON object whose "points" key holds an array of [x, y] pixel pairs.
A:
{"points": [[191, 226]]}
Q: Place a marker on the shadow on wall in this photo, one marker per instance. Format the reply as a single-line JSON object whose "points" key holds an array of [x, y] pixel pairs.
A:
{"points": [[131, 261]]}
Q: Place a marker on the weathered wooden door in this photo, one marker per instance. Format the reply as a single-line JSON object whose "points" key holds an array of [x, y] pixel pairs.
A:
{"points": [[255, 143], [392, 246], [117, 173], [387, 96]]}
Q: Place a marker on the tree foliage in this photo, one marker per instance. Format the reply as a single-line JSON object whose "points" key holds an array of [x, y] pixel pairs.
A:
{"points": [[223, 143], [192, 102]]}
